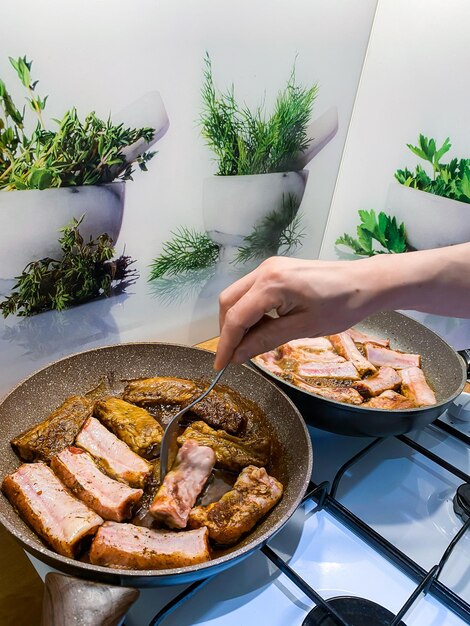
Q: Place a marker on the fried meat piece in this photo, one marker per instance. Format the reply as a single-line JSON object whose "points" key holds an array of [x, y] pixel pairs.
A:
{"points": [[392, 358], [222, 408], [231, 453], [306, 350], [345, 346], [126, 546], [339, 371], [112, 500], [253, 495], [132, 424], [42, 501], [55, 433], [314, 344], [415, 387], [113, 455], [389, 400], [182, 485], [340, 394], [269, 360], [361, 338], [386, 378]]}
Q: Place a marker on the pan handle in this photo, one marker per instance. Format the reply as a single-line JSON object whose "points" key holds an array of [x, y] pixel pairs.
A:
{"points": [[89, 603], [465, 354]]}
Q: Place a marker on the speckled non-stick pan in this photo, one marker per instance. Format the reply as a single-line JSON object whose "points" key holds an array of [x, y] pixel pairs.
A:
{"points": [[444, 369], [33, 399]]}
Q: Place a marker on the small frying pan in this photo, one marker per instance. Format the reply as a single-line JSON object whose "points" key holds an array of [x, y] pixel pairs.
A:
{"points": [[445, 371], [37, 396]]}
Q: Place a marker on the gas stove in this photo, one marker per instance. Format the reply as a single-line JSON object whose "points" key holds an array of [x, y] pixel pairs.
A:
{"points": [[382, 538]]}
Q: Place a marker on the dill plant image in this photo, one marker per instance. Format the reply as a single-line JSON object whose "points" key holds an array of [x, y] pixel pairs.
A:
{"points": [[248, 142]]}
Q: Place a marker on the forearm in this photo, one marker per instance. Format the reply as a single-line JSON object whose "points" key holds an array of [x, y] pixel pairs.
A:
{"points": [[433, 281]]}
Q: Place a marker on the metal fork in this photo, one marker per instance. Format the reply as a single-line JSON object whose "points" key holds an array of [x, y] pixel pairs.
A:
{"points": [[172, 426]]}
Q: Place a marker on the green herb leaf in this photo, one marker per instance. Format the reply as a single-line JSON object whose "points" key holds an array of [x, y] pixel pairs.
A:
{"points": [[382, 228]]}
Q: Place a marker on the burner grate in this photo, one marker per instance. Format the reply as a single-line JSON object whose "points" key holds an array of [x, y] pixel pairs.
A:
{"points": [[351, 611]]}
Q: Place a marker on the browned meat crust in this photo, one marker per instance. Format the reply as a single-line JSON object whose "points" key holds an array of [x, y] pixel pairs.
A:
{"points": [[42, 501], [132, 424], [389, 400], [252, 496], [340, 394], [222, 408], [182, 485], [232, 453], [345, 346], [133, 547], [55, 433], [386, 378]]}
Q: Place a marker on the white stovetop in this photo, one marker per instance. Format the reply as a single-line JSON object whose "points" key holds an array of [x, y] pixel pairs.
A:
{"points": [[383, 488]]}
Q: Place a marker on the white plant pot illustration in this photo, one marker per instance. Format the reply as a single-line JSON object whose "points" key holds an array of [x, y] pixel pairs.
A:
{"points": [[30, 220], [234, 205], [430, 221]]}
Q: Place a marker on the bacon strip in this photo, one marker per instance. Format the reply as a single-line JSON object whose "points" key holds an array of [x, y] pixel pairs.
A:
{"points": [[111, 499], [113, 455], [346, 347], [315, 344], [269, 361], [127, 546], [398, 360], [386, 378], [340, 371], [182, 485], [42, 501], [361, 338], [415, 387], [389, 400], [253, 495]]}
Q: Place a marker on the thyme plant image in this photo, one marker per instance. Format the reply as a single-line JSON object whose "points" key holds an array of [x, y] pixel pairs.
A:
{"points": [[87, 152], [85, 271], [375, 229], [248, 142], [451, 180]]}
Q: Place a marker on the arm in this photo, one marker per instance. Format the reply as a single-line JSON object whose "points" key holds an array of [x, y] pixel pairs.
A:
{"points": [[314, 298]]}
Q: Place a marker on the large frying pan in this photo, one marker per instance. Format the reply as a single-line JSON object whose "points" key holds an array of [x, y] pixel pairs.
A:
{"points": [[34, 398], [445, 370]]}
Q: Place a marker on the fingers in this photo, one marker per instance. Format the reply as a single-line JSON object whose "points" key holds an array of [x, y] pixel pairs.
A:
{"points": [[239, 318], [270, 333], [232, 294]]}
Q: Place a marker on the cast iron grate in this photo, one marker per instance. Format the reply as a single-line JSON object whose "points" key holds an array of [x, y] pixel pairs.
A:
{"points": [[345, 611]]}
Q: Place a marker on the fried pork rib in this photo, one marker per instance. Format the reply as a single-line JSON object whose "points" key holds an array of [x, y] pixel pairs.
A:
{"points": [[231, 453], [415, 387], [389, 400], [345, 346], [338, 371], [126, 546], [222, 408], [340, 394], [113, 455], [386, 378], [392, 358], [182, 485], [132, 424], [253, 495], [362, 339], [55, 433], [42, 501], [109, 498]]}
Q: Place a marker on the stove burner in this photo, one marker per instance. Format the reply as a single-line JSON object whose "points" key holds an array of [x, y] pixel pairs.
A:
{"points": [[354, 611], [462, 501]]}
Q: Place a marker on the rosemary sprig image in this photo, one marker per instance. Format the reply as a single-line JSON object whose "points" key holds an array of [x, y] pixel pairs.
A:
{"points": [[85, 271], [248, 142]]}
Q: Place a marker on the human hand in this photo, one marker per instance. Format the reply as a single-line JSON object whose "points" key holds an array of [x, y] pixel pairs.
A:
{"points": [[311, 298]]}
